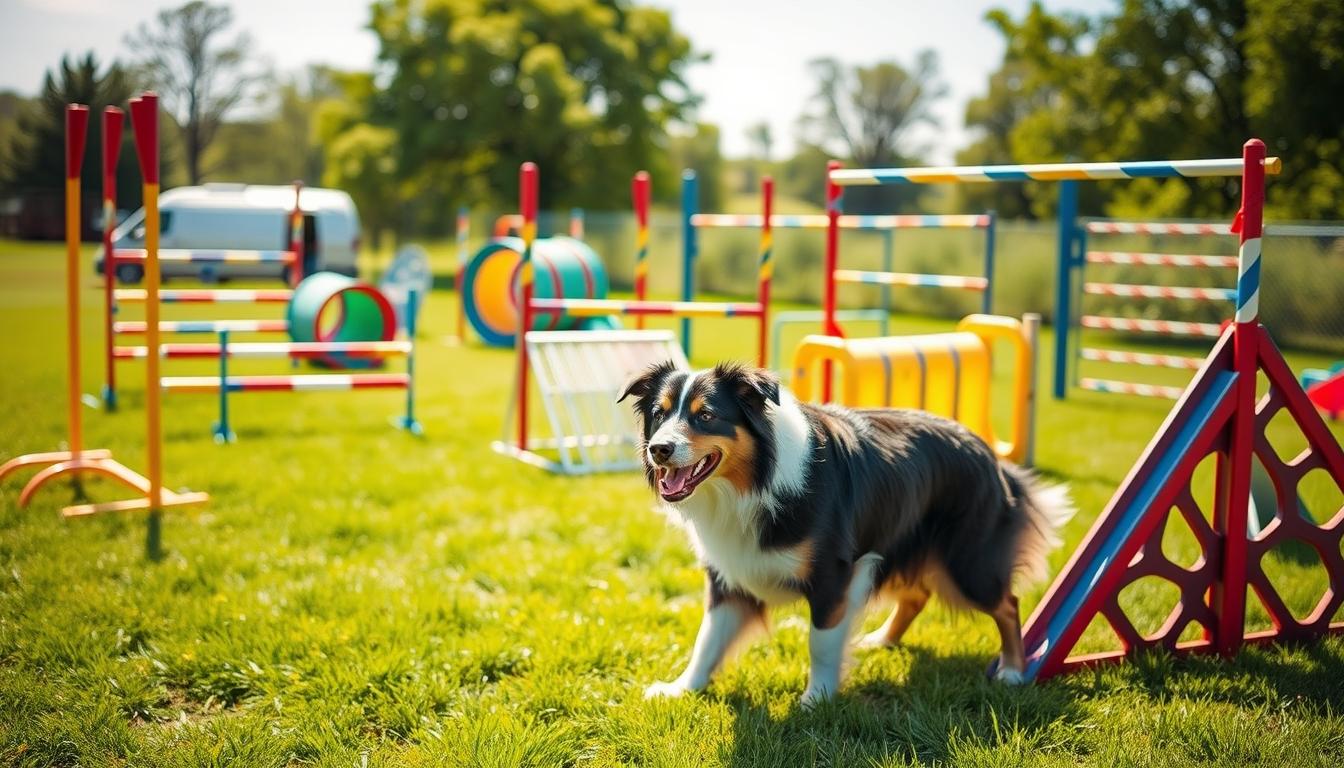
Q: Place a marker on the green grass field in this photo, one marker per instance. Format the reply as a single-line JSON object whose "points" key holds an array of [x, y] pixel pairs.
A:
{"points": [[352, 595]]}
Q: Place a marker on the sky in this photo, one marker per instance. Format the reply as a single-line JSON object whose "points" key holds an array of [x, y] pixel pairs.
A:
{"points": [[757, 72]]}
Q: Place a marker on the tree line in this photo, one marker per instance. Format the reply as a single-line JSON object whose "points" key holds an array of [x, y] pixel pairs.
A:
{"points": [[462, 91]]}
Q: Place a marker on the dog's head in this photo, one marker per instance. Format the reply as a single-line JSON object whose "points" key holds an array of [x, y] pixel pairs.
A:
{"points": [[704, 425]]}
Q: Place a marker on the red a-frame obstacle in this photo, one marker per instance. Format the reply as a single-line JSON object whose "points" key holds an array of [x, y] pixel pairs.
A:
{"points": [[1218, 415]]}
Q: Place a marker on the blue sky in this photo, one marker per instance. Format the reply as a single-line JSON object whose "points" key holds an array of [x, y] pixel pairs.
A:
{"points": [[759, 48]]}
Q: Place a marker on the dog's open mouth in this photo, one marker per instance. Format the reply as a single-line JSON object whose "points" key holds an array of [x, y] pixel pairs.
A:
{"points": [[676, 483]]}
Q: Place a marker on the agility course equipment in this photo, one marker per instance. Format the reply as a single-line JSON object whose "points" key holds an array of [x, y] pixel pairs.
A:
{"points": [[1217, 415], [113, 121], [153, 497], [1326, 390], [632, 352], [1161, 263], [949, 374]]}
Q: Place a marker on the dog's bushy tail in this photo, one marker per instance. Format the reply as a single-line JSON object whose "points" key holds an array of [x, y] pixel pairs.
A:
{"points": [[1046, 507]]}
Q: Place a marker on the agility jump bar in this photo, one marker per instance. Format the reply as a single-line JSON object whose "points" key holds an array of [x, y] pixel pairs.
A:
{"points": [[208, 296], [181, 255], [1161, 169], [1156, 228], [205, 326], [603, 307], [280, 349], [1162, 327], [964, 282], [1162, 259], [1161, 292], [324, 382], [1130, 388], [819, 221], [1141, 358]]}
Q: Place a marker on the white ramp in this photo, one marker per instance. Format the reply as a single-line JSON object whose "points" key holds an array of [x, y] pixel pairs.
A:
{"points": [[579, 375]]}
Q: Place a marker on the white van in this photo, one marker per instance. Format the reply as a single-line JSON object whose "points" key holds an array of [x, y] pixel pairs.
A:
{"points": [[247, 217]]}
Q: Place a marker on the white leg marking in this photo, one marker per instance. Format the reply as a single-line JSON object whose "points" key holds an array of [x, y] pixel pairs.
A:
{"points": [[723, 626], [828, 646]]}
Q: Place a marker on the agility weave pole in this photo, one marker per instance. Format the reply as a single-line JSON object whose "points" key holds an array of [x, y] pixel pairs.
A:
{"points": [[1217, 414], [154, 498]]}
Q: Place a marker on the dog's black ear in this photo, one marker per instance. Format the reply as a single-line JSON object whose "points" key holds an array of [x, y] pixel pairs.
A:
{"points": [[753, 386], [644, 383]]}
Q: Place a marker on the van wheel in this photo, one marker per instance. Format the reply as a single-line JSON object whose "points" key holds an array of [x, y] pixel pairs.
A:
{"points": [[130, 274]]}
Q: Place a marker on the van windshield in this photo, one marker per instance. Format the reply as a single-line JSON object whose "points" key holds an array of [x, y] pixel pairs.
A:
{"points": [[133, 228]]}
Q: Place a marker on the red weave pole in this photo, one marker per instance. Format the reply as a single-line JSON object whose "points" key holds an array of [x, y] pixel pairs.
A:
{"points": [[767, 265], [832, 328], [527, 206], [639, 191], [113, 120], [76, 130], [296, 237], [1234, 467]]}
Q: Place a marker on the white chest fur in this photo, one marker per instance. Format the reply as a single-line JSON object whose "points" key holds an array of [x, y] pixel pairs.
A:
{"points": [[722, 531]]}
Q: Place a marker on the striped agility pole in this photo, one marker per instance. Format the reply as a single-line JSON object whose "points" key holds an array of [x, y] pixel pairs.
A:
{"points": [[527, 207], [203, 326], [113, 121], [271, 350], [209, 296], [867, 277], [1131, 388], [602, 307], [1159, 327], [188, 256], [765, 265], [1161, 259], [1141, 358], [296, 237], [640, 195], [1160, 169], [1160, 292], [819, 221], [321, 382], [1156, 228]]}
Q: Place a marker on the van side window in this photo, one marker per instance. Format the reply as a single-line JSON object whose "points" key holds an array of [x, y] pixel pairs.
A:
{"points": [[165, 226]]}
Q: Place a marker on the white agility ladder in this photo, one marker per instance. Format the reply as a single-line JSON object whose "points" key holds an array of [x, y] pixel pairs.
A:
{"points": [[579, 375]]}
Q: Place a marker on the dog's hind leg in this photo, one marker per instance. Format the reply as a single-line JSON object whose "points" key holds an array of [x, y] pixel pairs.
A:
{"points": [[1012, 657], [910, 600]]}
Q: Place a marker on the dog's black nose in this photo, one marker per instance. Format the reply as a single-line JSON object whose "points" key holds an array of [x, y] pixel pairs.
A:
{"points": [[660, 451]]}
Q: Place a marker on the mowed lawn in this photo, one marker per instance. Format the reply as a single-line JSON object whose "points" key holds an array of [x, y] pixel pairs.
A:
{"points": [[352, 595]]}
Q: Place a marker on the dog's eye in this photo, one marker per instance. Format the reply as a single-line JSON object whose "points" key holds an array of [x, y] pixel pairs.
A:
{"points": [[656, 413], [705, 416]]}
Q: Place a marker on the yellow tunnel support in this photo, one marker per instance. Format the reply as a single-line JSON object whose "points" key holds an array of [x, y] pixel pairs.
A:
{"points": [[949, 374]]}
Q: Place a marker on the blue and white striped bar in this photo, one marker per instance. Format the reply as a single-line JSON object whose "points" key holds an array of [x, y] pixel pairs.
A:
{"points": [[965, 282], [850, 177], [1248, 282]]}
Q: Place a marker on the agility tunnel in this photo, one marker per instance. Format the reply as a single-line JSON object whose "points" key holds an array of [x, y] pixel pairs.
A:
{"points": [[565, 269], [327, 307]]}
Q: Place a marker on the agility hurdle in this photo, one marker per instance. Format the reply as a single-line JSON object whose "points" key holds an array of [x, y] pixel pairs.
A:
{"points": [[152, 495], [1218, 414], [115, 297], [650, 349]]}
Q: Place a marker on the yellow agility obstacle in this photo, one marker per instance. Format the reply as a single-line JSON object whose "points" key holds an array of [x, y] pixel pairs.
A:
{"points": [[949, 374]]}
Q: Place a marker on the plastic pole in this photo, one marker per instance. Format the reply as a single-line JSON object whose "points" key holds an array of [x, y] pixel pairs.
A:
{"points": [[766, 267], [888, 264], [576, 223], [76, 130], [832, 257], [408, 422], [527, 206], [113, 119], [1234, 466], [690, 249], [639, 192], [296, 237], [987, 301], [145, 122], [222, 432], [1068, 233]]}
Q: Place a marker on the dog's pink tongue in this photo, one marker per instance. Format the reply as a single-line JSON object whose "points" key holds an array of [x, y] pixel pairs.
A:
{"points": [[675, 479]]}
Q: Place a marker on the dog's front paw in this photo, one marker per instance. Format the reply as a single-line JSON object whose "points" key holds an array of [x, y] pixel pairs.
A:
{"points": [[815, 695], [668, 690], [1009, 676]]}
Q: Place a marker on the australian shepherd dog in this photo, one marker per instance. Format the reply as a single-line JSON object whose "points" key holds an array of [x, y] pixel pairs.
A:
{"points": [[784, 500]]}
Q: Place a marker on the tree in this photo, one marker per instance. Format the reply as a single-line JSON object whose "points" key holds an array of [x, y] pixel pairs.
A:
{"points": [[34, 161], [697, 152], [586, 88], [281, 144], [362, 162], [199, 79], [866, 114]]}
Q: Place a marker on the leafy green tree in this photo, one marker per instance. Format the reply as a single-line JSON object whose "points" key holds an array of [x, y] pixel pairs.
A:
{"points": [[199, 79], [283, 143], [866, 114], [34, 161], [585, 88], [804, 175]]}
